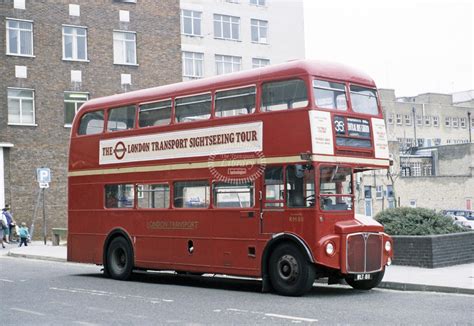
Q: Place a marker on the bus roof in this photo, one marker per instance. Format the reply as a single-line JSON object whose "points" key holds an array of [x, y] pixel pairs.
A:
{"points": [[325, 70]]}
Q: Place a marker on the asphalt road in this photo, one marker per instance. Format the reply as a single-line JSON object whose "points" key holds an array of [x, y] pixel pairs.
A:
{"points": [[39, 292]]}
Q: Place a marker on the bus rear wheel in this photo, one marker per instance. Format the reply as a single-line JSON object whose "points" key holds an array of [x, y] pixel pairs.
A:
{"points": [[366, 284], [290, 272], [119, 259]]}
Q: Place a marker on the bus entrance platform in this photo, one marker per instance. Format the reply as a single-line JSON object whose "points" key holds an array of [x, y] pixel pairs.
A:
{"points": [[453, 279]]}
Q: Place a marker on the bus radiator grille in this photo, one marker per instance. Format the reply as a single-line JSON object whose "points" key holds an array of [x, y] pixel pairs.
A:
{"points": [[364, 252]]}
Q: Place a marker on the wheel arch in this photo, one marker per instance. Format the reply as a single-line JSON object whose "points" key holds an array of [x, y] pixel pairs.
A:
{"points": [[278, 239], [115, 233]]}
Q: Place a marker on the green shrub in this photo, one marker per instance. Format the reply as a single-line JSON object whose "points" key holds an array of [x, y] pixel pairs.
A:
{"points": [[416, 221]]}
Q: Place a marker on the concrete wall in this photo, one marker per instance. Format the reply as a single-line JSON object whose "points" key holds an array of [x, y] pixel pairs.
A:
{"points": [[46, 144]]}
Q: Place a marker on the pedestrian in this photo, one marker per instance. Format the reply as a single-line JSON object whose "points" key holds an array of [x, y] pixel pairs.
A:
{"points": [[24, 235], [10, 222], [3, 227]]}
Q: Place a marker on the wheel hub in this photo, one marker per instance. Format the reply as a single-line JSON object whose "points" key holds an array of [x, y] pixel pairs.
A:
{"points": [[288, 268]]}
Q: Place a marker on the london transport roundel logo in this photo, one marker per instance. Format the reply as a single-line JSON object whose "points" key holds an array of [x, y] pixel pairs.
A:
{"points": [[119, 150]]}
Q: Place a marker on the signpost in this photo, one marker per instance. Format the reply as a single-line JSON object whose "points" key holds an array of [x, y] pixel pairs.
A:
{"points": [[43, 176]]}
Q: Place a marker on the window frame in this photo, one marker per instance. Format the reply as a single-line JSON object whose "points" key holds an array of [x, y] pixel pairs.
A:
{"points": [[104, 120], [124, 48], [254, 66], [221, 27], [193, 19], [172, 195], [110, 109], [319, 195], [76, 107], [211, 111], [252, 191], [349, 94], [260, 94], [257, 25], [214, 98], [223, 62], [194, 61], [34, 124], [139, 105], [7, 40], [74, 43], [134, 192]]}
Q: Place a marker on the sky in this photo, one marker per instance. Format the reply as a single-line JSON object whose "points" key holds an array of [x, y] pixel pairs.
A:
{"points": [[412, 46]]}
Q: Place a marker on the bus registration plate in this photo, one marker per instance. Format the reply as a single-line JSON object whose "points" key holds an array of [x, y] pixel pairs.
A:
{"points": [[362, 277]]}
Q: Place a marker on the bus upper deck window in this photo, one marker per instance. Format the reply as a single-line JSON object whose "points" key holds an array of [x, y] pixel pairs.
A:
{"points": [[91, 123], [235, 102], [364, 100], [193, 108], [155, 114], [121, 118], [329, 95], [282, 95]]}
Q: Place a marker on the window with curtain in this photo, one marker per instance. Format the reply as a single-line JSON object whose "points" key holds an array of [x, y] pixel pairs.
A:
{"points": [[74, 43], [19, 37], [21, 107], [193, 63], [125, 48]]}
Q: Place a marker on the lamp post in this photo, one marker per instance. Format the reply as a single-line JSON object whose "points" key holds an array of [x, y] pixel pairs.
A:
{"points": [[469, 125], [413, 110]]}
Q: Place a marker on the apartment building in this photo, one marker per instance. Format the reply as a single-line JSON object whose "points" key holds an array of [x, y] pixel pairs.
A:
{"points": [[223, 36], [54, 56]]}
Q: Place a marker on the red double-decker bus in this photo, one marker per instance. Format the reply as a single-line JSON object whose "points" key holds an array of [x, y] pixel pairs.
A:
{"points": [[247, 174]]}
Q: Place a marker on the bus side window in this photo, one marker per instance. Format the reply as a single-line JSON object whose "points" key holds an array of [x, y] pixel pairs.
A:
{"points": [[91, 123], [233, 195], [193, 108], [191, 194], [155, 114], [119, 196], [274, 186], [153, 196], [235, 102], [300, 186], [121, 118], [329, 95], [283, 95]]}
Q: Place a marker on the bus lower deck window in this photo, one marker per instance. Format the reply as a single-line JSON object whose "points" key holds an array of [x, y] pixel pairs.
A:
{"points": [[153, 196], [233, 195], [191, 194], [119, 196]]}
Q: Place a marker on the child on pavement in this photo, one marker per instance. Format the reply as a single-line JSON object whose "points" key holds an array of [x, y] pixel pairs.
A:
{"points": [[24, 235]]}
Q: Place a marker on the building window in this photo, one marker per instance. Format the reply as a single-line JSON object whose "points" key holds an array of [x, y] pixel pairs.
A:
{"points": [[419, 120], [399, 119], [193, 64], [74, 43], [19, 37], [21, 106], [367, 192], [226, 64], [447, 122], [259, 29], [427, 121], [257, 2], [408, 119], [258, 63], [437, 141], [455, 123], [232, 1], [463, 123], [390, 118], [413, 203], [227, 27], [125, 48], [435, 121], [191, 22], [379, 192], [72, 103]]}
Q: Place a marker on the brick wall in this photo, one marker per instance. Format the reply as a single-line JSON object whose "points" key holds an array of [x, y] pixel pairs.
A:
{"points": [[435, 250], [157, 27]]}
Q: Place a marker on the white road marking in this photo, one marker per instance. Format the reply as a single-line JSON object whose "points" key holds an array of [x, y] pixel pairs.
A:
{"points": [[237, 310], [5, 280], [84, 323], [28, 311], [292, 317]]}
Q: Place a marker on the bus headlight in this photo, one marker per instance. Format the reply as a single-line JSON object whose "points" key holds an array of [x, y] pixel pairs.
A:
{"points": [[329, 249], [388, 246]]}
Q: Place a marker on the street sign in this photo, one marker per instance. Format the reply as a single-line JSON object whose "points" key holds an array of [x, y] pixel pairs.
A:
{"points": [[44, 185], [43, 175]]}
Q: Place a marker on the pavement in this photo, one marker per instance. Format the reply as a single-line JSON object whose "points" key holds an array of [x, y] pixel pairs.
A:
{"points": [[452, 279]]}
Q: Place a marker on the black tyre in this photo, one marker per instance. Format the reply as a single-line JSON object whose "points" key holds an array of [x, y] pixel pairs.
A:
{"points": [[119, 260], [290, 271], [367, 284]]}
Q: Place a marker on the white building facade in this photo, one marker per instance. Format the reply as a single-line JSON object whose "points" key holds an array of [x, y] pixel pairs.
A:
{"points": [[223, 36]]}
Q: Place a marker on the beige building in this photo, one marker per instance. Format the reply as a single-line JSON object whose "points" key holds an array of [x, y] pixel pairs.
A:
{"points": [[429, 139]]}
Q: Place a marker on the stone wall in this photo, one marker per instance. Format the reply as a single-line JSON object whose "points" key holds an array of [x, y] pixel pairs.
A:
{"points": [[435, 250]]}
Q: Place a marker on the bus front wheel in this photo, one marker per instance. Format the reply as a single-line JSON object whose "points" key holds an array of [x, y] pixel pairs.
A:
{"points": [[119, 259], [290, 272], [366, 284]]}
